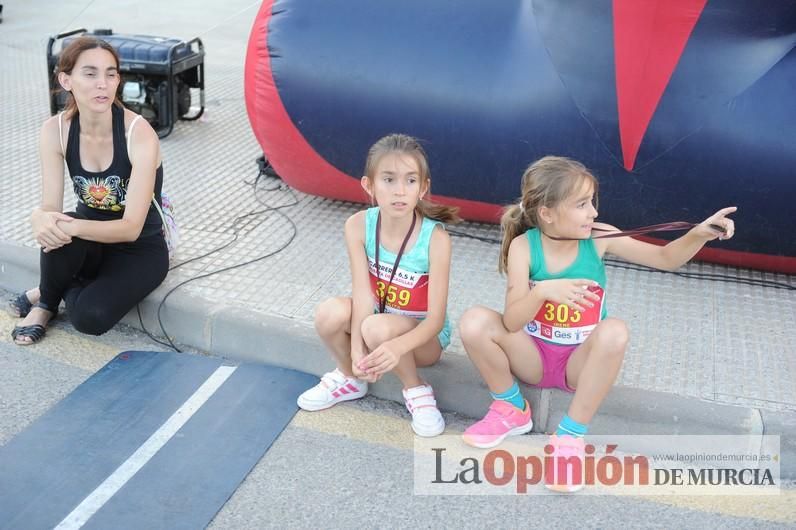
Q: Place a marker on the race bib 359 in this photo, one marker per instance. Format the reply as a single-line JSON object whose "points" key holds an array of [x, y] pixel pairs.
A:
{"points": [[406, 295]]}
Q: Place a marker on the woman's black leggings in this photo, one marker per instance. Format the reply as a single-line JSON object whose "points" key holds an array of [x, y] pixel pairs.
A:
{"points": [[101, 282]]}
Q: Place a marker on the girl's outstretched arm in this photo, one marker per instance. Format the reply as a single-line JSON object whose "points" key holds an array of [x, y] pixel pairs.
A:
{"points": [[361, 297], [676, 253], [387, 355]]}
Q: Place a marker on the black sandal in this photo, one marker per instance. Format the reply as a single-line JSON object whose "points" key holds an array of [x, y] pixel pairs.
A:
{"points": [[34, 332], [20, 306]]}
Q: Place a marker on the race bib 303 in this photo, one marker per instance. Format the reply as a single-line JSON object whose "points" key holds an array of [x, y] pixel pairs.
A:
{"points": [[560, 324]]}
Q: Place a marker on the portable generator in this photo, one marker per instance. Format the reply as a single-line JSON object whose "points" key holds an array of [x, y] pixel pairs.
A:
{"points": [[157, 75]]}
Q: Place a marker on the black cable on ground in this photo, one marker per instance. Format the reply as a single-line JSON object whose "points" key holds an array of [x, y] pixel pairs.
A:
{"points": [[265, 172], [237, 225]]}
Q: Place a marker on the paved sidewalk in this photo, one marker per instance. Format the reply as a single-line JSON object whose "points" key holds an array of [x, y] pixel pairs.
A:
{"points": [[705, 357]]}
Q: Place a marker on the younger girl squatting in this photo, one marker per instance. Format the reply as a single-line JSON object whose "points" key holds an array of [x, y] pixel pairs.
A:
{"points": [[395, 320], [556, 276]]}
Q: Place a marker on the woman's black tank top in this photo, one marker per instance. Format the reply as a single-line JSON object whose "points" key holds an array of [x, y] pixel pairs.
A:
{"points": [[101, 195]]}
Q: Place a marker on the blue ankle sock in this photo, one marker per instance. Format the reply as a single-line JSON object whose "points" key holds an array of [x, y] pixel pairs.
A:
{"points": [[571, 427], [512, 395]]}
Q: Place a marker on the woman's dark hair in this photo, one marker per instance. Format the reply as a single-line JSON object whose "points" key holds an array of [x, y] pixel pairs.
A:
{"points": [[68, 58]]}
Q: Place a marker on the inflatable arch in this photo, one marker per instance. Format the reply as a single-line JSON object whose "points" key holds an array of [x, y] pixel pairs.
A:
{"points": [[679, 107]]}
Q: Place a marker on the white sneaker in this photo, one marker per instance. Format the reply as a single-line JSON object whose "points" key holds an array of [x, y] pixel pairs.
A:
{"points": [[426, 419], [333, 388]]}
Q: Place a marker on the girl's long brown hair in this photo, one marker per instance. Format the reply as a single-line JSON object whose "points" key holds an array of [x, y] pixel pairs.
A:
{"points": [[546, 182], [402, 143], [68, 59]]}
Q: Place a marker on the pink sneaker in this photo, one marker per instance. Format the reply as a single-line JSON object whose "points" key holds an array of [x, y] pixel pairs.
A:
{"points": [[503, 419], [565, 475]]}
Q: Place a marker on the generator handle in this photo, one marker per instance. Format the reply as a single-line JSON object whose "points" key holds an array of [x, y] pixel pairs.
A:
{"points": [[52, 40], [201, 77], [198, 41]]}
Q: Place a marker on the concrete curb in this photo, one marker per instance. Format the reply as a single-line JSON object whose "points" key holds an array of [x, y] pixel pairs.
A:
{"points": [[244, 335]]}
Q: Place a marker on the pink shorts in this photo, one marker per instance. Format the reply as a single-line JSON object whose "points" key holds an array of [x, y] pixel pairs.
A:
{"points": [[554, 363]]}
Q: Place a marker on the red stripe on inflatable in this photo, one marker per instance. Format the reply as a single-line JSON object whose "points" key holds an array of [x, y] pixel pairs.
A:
{"points": [[292, 157], [250, 71], [649, 38], [286, 148], [303, 168]]}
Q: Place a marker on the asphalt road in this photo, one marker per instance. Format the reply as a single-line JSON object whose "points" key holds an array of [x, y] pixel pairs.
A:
{"points": [[352, 466]]}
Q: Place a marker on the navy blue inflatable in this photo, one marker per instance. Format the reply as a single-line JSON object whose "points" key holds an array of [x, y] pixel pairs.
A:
{"points": [[679, 107]]}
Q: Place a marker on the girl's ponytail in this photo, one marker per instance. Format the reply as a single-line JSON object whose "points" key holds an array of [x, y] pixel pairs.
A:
{"points": [[438, 212], [513, 222]]}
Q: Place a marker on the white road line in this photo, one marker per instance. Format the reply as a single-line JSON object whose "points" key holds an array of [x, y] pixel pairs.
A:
{"points": [[91, 504]]}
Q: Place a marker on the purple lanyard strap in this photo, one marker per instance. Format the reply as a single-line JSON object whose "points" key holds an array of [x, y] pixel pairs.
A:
{"points": [[383, 298], [663, 227]]}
